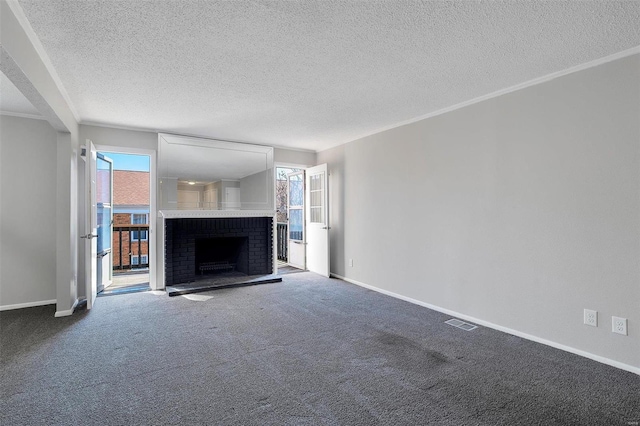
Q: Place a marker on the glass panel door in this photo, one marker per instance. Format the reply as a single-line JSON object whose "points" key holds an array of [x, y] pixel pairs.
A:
{"points": [[296, 250], [317, 220], [104, 210]]}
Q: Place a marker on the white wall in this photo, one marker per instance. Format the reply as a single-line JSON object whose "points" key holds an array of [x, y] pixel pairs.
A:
{"points": [[291, 157], [520, 211], [27, 224], [119, 138], [21, 62]]}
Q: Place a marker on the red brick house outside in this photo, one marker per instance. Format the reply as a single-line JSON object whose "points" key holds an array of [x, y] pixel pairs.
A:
{"points": [[130, 219]]}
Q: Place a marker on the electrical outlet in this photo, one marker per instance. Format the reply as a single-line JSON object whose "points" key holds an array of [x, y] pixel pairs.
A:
{"points": [[619, 325], [591, 317], [351, 262]]}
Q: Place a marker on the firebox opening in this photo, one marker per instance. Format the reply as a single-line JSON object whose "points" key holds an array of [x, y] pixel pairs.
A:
{"points": [[221, 255]]}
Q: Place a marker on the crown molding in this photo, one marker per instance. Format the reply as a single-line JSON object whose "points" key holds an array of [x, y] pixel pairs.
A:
{"points": [[514, 88]]}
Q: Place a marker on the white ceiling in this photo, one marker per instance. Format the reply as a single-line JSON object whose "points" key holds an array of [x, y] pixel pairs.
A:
{"points": [[12, 101], [309, 74]]}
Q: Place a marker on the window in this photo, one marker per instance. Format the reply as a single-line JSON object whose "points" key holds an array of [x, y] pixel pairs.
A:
{"points": [[139, 219], [281, 192], [316, 201], [144, 259]]}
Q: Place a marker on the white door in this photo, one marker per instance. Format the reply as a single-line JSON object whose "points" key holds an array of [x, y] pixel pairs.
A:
{"points": [[295, 208], [104, 213], [317, 220], [91, 225], [98, 222], [211, 199], [189, 200], [232, 198]]}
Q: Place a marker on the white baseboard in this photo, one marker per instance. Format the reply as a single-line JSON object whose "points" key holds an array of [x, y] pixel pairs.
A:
{"points": [[507, 330], [27, 305], [68, 312]]}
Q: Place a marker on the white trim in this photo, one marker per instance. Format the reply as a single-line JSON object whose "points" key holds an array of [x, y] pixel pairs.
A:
{"points": [[514, 88], [179, 214], [109, 149], [37, 45], [124, 209], [27, 305], [183, 140], [291, 148], [153, 231], [193, 135], [68, 312], [118, 127], [488, 324], [291, 166], [23, 115]]}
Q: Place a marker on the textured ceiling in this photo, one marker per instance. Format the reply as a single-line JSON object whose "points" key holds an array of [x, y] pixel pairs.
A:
{"points": [[12, 101], [309, 74]]}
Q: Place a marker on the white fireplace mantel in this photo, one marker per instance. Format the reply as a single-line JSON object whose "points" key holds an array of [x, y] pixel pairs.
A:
{"points": [[204, 214], [186, 214]]}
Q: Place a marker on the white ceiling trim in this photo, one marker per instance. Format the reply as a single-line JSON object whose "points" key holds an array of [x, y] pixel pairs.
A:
{"points": [[191, 135], [14, 73], [119, 127], [26, 26], [12, 100], [22, 115], [520, 86]]}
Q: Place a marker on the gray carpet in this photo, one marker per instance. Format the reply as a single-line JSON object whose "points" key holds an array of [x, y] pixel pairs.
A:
{"points": [[284, 270], [307, 351]]}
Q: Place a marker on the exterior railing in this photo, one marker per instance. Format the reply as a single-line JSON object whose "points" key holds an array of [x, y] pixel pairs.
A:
{"points": [[282, 241], [130, 242]]}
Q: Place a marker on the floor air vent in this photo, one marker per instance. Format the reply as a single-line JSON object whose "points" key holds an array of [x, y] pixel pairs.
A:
{"points": [[461, 324]]}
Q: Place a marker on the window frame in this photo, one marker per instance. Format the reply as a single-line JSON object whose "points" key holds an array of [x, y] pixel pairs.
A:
{"points": [[144, 259], [134, 234]]}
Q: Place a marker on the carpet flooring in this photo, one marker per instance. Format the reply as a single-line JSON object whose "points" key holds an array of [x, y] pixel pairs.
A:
{"points": [[306, 351], [286, 269]]}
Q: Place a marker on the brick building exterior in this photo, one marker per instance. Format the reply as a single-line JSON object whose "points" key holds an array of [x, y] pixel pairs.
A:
{"points": [[130, 218]]}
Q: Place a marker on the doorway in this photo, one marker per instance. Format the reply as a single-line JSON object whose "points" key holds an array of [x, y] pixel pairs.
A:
{"points": [[128, 240], [289, 228], [303, 220]]}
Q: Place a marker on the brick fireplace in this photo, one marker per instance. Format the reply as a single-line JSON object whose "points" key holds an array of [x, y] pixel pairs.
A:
{"points": [[199, 247]]}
